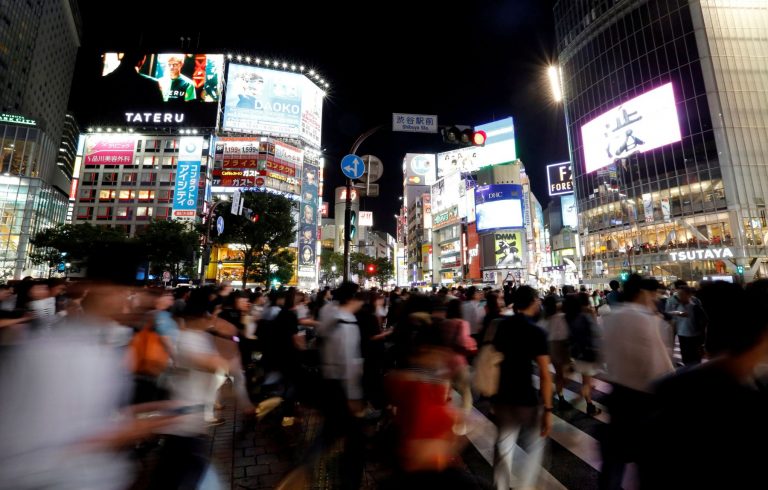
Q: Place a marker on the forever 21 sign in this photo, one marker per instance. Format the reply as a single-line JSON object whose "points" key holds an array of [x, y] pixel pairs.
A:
{"points": [[560, 179]]}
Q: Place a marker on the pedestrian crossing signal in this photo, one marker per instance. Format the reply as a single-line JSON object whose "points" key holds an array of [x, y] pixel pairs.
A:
{"points": [[740, 269], [624, 276]]}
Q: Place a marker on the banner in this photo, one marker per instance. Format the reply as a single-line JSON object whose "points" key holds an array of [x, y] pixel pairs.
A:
{"points": [[648, 208], [102, 149], [308, 219], [665, 209], [507, 246], [187, 178]]}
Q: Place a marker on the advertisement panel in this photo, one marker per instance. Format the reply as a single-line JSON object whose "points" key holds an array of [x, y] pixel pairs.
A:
{"points": [[259, 163], [109, 149], [665, 209], [449, 191], [473, 252], [568, 206], [263, 101], [165, 89], [507, 246], [500, 142], [499, 206], [426, 211], [644, 123], [560, 179], [308, 220], [187, 178], [463, 160], [445, 218], [648, 208], [420, 169], [365, 218], [426, 257]]}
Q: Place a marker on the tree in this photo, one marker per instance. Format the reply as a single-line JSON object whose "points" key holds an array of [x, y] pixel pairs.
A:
{"points": [[328, 260], [265, 240], [71, 242], [169, 245], [384, 270]]}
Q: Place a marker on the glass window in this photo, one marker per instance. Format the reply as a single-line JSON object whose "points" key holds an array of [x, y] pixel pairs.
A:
{"points": [[143, 212], [109, 178], [146, 195], [162, 212], [104, 212], [123, 213], [90, 178], [106, 195], [165, 195], [129, 178], [84, 212], [148, 178], [126, 195]]}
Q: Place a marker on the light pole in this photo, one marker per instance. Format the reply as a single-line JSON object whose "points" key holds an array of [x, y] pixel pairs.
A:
{"points": [[66, 269], [207, 244], [219, 266], [333, 274]]}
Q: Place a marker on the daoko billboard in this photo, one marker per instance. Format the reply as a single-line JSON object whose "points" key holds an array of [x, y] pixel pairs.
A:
{"points": [[272, 102], [644, 123]]}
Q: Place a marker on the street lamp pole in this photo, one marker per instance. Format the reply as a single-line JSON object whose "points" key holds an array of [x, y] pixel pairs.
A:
{"points": [[207, 246], [348, 202]]}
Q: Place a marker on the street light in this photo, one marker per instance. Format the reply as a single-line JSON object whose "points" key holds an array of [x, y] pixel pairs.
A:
{"points": [[553, 72], [219, 266], [66, 269]]}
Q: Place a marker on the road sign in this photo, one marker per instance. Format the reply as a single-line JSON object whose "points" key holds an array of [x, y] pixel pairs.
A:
{"points": [[414, 123], [489, 276], [373, 168], [360, 265], [235, 209], [260, 181], [220, 225], [352, 166], [372, 191]]}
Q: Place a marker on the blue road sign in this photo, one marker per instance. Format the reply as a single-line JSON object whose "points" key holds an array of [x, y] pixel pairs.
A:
{"points": [[352, 166]]}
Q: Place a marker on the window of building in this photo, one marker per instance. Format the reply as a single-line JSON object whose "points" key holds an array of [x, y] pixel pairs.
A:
{"points": [[165, 195], [167, 178], [106, 195], [127, 195], [143, 212], [87, 195], [109, 178], [148, 178], [123, 212], [152, 145], [172, 144], [149, 161], [90, 178], [104, 212], [84, 212], [169, 161], [130, 178], [162, 212], [146, 195]]}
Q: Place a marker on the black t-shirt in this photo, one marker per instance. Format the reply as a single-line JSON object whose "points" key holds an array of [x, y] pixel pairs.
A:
{"points": [[277, 337], [521, 341], [709, 432]]}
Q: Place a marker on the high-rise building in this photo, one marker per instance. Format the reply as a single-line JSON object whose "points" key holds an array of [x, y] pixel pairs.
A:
{"points": [[40, 41], [667, 115], [65, 160]]}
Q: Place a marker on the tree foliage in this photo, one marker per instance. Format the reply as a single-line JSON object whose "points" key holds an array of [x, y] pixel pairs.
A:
{"points": [[71, 242], [169, 245], [265, 241], [328, 260]]}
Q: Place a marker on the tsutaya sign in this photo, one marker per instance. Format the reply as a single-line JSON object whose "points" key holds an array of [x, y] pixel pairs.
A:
{"points": [[709, 253]]}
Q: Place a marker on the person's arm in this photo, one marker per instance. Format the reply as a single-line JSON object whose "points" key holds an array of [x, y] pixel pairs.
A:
{"points": [[546, 393]]}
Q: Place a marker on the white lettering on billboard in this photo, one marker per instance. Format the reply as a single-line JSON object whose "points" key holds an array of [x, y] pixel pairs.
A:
{"points": [[702, 254]]}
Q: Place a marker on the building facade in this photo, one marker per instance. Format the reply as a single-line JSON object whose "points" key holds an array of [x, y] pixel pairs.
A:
{"points": [[40, 42], [686, 201]]}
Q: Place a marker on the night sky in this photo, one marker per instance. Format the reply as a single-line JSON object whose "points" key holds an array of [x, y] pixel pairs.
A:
{"points": [[468, 62]]}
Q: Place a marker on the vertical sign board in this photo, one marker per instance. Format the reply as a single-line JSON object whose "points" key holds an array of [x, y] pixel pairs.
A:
{"points": [[308, 218], [187, 178]]}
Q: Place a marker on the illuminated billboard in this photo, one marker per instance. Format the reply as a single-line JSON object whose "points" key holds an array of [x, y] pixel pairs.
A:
{"points": [[259, 163], [499, 206], [507, 248], [500, 142], [560, 179], [644, 123], [419, 169], [568, 205], [463, 160], [187, 178], [165, 89], [109, 149], [272, 102]]}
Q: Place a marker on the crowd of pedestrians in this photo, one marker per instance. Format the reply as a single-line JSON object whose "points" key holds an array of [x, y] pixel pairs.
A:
{"points": [[95, 374]]}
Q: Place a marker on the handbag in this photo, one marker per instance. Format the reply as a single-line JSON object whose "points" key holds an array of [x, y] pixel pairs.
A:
{"points": [[487, 365], [149, 355]]}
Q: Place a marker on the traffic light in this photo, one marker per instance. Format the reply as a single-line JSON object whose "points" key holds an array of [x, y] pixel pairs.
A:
{"points": [[352, 224], [464, 136], [250, 215], [371, 269]]}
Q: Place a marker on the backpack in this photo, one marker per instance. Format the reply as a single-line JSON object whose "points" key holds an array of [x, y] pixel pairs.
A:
{"points": [[148, 353], [487, 365]]}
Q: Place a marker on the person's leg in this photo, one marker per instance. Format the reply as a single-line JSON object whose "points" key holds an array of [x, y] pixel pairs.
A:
{"points": [[560, 384], [526, 466], [612, 471], [506, 440], [586, 392]]}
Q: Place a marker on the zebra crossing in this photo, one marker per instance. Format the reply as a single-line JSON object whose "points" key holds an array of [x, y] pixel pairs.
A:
{"points": [[573, 453]]}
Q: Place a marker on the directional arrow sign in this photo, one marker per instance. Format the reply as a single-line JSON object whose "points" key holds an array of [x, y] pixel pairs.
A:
{"points": [[352, 166]]}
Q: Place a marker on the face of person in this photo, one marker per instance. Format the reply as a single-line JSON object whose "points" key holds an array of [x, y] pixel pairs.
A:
{"points": [[174, 66], [308, 214], [241, 304], [307, 255], [164, 302], [310, 178]]}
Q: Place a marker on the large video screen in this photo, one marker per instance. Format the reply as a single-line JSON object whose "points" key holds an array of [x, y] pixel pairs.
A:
{"points": [[272, 102], [499, 206], [644, 123], [165, 89]]}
